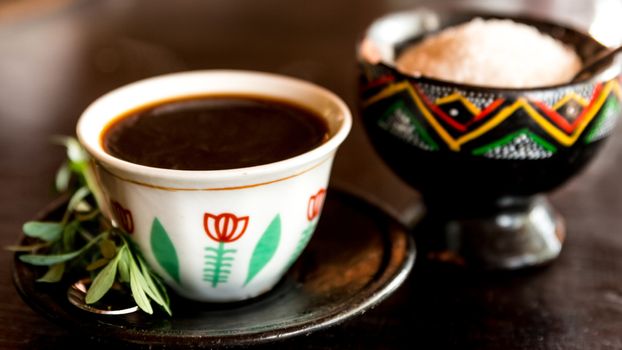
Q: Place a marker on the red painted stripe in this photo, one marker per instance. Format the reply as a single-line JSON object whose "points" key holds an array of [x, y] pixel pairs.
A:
{"points": [[491, 107], [563, 123], [449, 120], [560, 121], [380, 81]]}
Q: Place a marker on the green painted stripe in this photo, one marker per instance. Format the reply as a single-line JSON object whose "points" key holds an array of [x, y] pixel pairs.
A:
{"points": [[508, 138], [542, 142], [419, 129], [502, 141], [611, 106]]}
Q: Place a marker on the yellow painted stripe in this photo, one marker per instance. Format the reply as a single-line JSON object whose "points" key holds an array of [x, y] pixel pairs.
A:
{"points": [[501, 116], [390, 90], [595, 108], [453, 145], [550, 128], [570, 96], [457, 96]]}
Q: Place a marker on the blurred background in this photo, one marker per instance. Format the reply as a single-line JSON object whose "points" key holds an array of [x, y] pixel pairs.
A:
{"points": [[56, 56]]}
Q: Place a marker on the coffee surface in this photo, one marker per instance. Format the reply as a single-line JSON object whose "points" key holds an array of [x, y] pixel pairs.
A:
{"points": [[214, 133]]}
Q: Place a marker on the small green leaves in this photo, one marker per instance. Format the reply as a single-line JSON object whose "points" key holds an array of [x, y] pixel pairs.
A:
{"points": [[69, 235], [99, 263], [75, 152], [27, 248], [108, 248], [152, 289], [76, 200], [265, 248], [52, 259], [124, 267], [54, 274], [63, 176], [68, 243], [46, 231], [138, 286], [102, 282], [47, 260], [131, 268]]}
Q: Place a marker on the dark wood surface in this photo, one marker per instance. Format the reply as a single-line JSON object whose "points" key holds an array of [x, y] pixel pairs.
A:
{"points": [[57, 56]]}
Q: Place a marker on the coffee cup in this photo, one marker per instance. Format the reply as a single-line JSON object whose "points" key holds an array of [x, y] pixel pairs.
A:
{"points": [[216, 235]]}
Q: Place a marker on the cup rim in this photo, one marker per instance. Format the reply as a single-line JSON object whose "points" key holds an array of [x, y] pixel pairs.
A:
{"points": [[96, 150]]}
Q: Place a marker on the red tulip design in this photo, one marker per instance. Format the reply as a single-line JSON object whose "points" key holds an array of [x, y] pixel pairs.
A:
{"points": [[124, 216], [224, 228], [315, 204]]}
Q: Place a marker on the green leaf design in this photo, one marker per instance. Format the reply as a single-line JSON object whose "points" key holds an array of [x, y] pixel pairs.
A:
{"points": [[265, 248], [218, 262], [164, 250], [47, 231], [302, 243]]}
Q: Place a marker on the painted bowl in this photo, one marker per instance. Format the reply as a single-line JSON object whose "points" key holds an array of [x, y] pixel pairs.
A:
{"points": [[459, 143], [482, 156]]}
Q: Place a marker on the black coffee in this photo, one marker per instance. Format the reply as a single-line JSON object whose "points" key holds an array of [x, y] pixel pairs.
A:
{"points": [[214, 132]]}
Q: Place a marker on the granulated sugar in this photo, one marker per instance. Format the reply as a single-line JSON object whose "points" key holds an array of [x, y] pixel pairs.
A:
{"points": [[499, 53]]}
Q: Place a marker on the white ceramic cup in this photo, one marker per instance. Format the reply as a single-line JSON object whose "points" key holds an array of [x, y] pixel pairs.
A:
{"points": [[216, 235]]}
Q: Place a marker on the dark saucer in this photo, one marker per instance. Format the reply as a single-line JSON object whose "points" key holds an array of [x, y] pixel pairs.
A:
{"points": [[357, 257]]}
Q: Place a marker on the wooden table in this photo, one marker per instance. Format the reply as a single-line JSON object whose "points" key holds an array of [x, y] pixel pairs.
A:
{"points": [[57, 56]]}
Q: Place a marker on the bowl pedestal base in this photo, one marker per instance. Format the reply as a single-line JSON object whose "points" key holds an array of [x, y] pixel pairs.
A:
{"points": [[524, 232]]}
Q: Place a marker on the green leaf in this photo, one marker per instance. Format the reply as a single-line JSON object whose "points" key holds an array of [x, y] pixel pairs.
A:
{"points": [[54, 274], [152, 289], [47, 260], [69, 234], [265, 248], [97, 264], [63, 175], [47, 231], [102, 282], [108, 248], [164, 250], [124, 267], [138, 285], [27, 248], [52, 259], [75, 152], [77, 198], [88, 216], [91, 182], [162, 289]]}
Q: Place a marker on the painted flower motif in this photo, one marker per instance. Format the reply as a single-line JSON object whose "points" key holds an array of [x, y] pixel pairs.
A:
{"points": [[315, 204], [224, 228], [123, 216]]}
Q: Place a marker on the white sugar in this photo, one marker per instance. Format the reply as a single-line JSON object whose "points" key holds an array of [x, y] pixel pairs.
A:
{"points": [[499, 53]]}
